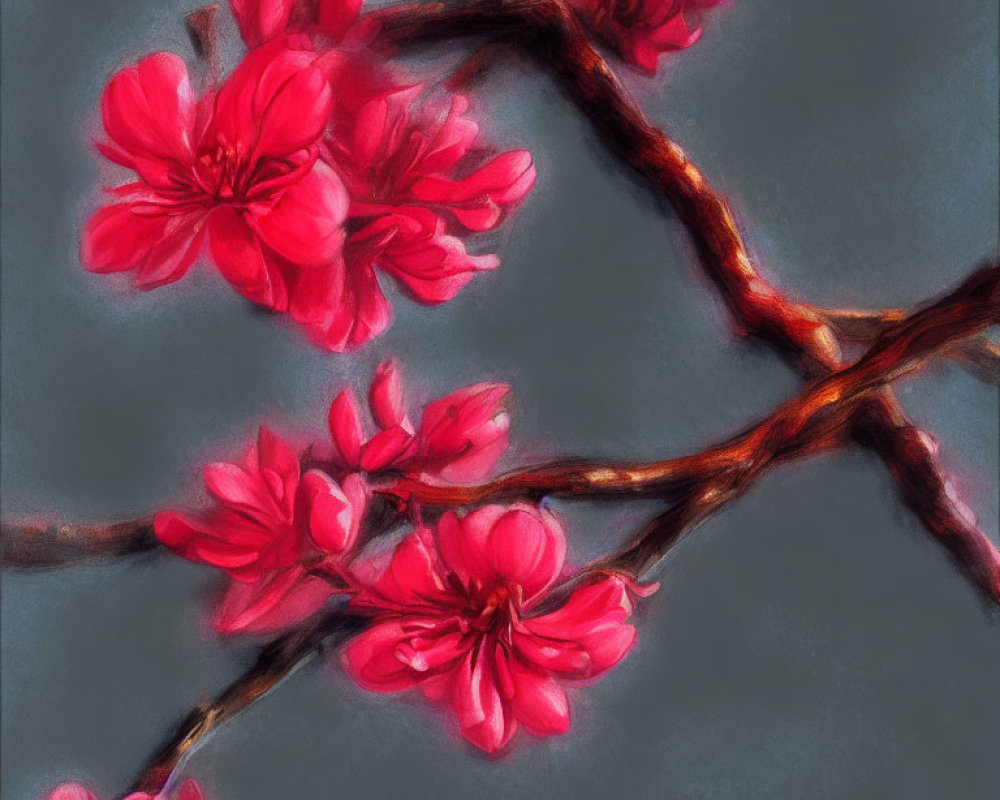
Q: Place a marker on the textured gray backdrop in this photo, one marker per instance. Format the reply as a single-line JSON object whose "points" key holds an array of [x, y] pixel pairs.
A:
{"points": [[810, 642]]}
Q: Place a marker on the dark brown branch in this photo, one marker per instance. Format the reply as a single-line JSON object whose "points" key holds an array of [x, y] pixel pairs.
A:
{"points": [[275, 662], [40, 544]]}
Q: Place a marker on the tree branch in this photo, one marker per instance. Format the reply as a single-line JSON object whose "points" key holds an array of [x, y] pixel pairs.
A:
{"points": [[980, 352], [805, 424], [549, 31], [838, 402], [41, 544], [276, 661]]}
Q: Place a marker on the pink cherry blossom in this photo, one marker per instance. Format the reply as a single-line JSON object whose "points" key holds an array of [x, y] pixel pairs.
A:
{"points": [[643, 29], [460, 437], [417, 193], [239, 167], [269, 524], [189, 790], [455, 617]]}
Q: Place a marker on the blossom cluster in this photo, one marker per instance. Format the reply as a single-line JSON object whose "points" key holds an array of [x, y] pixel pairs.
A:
{"points": [[311, 173], [457, 609], [311, 169]]}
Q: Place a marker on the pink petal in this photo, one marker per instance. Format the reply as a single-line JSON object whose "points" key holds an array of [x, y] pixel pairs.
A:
{"points": [[261, 20], [463, 543], [315, 293], [305, 225], [463, 434], [539, 702], [276, 455], [71, 791], [480, 200], [116, 238], [231, 485], [413, 579], [370, 658], [566, 658], [525, 551], [148, 109], [336, 17], [482, 715], [594, 618], [238, 255], [386, 396], [344, 421], [170, 258], [385, 449], [452, 141], [274, 104], [189, 790], [433, 270], [212, 542], [333, 517], [432, 651], [342, 305], [273, 603]]}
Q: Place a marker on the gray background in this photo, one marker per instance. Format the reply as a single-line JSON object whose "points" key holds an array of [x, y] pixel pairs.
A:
{"points": [[808, 642]]}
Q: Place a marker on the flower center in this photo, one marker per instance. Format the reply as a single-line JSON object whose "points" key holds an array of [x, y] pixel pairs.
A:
{"points": [[501, 608]]}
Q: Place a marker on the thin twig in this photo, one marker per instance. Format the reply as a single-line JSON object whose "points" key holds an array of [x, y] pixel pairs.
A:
{"points": [[276, 661]]}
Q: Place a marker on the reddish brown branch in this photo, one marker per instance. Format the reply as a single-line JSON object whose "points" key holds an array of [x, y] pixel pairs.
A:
{"points": [[980, 352], [837, 403], [549, 31]]}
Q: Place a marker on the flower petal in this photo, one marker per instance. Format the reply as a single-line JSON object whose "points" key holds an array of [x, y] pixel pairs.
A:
{"points": [[370, 657], [274, 603], [463, 435], [116, 238], [344, 420], [386, 396], [539, 702], [485, 720], [526, 550], [148, 109], [306, 224], [238, 255], [333, 516], [71, 791], [261, 20]]}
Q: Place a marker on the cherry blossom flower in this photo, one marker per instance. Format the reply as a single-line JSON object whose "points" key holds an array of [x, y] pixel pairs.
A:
{"points": [[239, 167], [459, 439], [418, 191], [454, 617], [643, 29], [270, 524], [189, 790]]}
